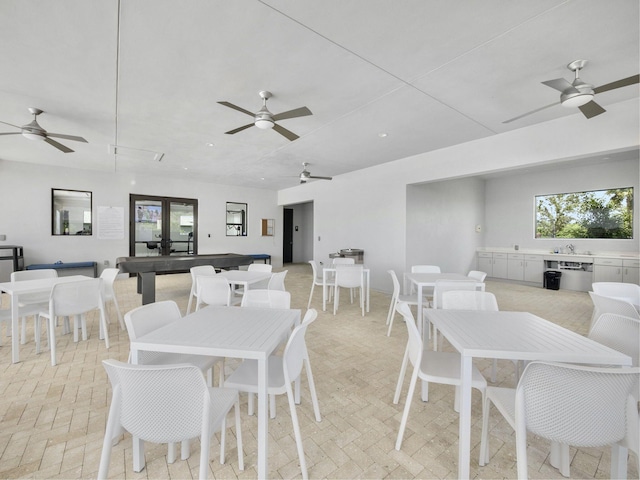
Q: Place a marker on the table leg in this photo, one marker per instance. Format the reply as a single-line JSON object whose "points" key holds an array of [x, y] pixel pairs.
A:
{"points": [[147, 287], [138, 444], [368, 279], [263, 419], [324, 290], [464, 440], [15, 330], [420, 316]]}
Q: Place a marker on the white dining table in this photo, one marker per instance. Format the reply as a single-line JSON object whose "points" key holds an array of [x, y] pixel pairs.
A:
{"points": [[426, 280], [244, 278], [247, 333], [15, 289], [510, 335], [328, 272]]}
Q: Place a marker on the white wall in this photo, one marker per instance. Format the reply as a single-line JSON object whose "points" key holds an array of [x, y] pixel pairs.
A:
{"points": [[25, 216], [441, 224], [367, 209], [510, 204]]}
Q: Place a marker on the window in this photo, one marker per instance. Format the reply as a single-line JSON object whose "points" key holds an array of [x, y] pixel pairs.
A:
{"points": [[593, 214]]}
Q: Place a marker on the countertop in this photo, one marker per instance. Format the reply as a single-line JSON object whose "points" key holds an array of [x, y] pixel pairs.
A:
{"points": [[578, 256]]}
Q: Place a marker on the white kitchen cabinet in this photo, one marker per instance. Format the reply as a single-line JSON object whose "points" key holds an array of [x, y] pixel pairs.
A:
{"points": [[485, 263], [607, 270], [500, 268], [534, 268], [515, 266], [631, 271]]}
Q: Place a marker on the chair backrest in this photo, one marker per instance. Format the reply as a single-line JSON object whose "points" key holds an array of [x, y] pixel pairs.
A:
{"points": [[160, 404], [314, 269], [343, 261], [576, 405], [296, 350], [612, 305], [266, 298], [201, 270], [396, 283], [21, 275], [425, 269], [276, 282], [74, 298], [469, 300], [150, 317], [108, 277], [629, 292], [477, 275], [348, 276], [618, 332], [260, 267], [213, 291], [414, 342], [448, 285]]}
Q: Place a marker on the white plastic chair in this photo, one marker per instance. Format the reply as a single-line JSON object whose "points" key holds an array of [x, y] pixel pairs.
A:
{"points": [[260, 267], [428, 366], [475, 300], [477, 275], [108, 277], [266, 299], [212, 291], [352, 277], [573, 405], [442, 286], [202, 270], [426, 291], [32, 303], [574, 402], [150, 317], [282, 372], [396, 297], [629, 292], [317, 280], [73, 299], [276, 282], [167, 404], [602, 304]]}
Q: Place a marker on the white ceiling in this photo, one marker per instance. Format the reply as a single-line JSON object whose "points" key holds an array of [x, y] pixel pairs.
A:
{"points": [[146, 75]]}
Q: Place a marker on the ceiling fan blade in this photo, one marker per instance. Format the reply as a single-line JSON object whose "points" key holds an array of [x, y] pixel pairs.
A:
{"points": [[297, 112], [11, 133], [11, 125], [235, 107], [321, 178], [67, 137], [239, 129], [625, 82], [561, 84], [59, 146], [531, 112], [284, 132], [591, 109]]}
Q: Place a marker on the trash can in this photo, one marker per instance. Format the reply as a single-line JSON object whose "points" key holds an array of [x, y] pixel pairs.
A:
{"points": [[552, 280]]}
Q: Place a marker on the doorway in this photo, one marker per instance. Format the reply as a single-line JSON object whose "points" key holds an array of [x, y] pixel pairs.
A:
{"points": [[287, 241], [162, 226]]}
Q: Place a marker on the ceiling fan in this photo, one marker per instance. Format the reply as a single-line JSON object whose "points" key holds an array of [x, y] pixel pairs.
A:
{"points": [[33, 131], [580, 94], [264, 119], [305, 175]]}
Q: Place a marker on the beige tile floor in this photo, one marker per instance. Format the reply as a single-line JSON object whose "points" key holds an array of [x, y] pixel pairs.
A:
{"points": [[53, 418]]}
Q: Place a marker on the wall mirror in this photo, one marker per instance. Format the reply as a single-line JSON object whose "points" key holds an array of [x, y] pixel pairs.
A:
{"points": [[236, 219], [71, 212]]}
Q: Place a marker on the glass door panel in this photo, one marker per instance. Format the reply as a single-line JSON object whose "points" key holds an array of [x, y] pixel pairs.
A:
{"points": [[162, 226]]}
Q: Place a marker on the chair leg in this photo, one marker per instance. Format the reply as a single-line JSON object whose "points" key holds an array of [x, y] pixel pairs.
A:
{"points": [[223, 439], [205, 444], [272, 406], [407, 407], [250, 399], [336, 299], [119, 313], [313, 284], [52, 339], [297, 433], [484, 439], [312, 389], [403, 370], [236, 409]]}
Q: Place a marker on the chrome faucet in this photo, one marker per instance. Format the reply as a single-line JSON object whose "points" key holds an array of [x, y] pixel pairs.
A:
{"points": [[571, 248]]}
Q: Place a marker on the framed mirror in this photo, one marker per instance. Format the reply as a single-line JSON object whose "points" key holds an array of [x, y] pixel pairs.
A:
{"points": [[71, 212], [236, 219]]}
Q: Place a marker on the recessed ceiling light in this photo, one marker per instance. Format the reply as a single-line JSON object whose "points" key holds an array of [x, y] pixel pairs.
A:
{"points": [[262, 178], [209, 144], [382, 135]]}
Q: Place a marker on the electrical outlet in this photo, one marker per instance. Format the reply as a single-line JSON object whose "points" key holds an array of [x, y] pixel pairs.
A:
{"points": [[3, 237]]}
